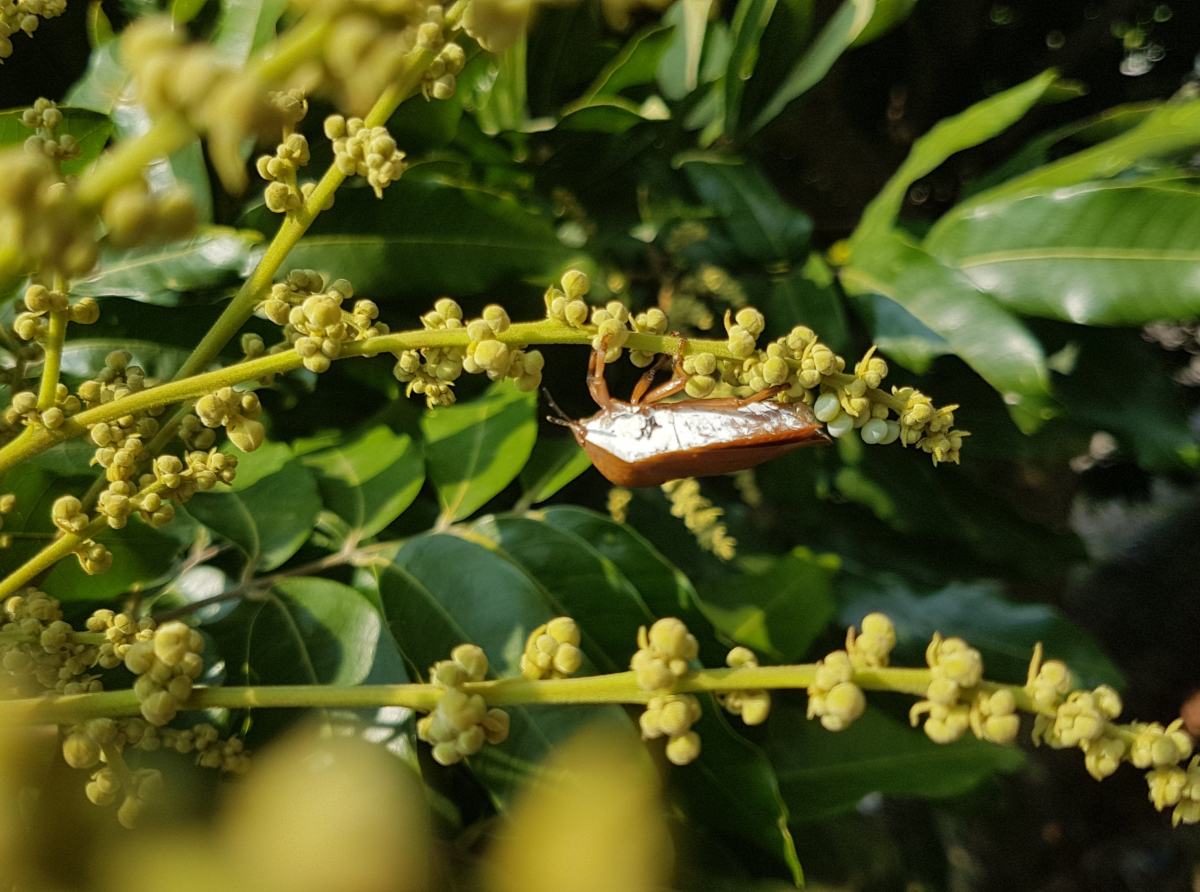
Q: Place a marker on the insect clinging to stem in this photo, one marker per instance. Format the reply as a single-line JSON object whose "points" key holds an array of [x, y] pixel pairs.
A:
{"points": [[646, 442]]}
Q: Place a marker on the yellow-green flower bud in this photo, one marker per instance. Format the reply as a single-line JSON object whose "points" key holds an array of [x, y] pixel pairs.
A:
{"points": [[683, 749], [81, 751], [575, 284], [497, 318]]}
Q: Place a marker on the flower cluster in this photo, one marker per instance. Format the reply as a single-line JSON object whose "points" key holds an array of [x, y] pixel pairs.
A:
{"points": [[461, 723], [22, 15], [672, 716], [833, 697], [314, 320], [701, 517], [872, 648], [133, 215], [954, 667], [181, 478], [40, 302], [552, 650], [48, 657], [165, 666], [46, 228], [371, 45], [485, 353], [369, 152], [282, 194], [662, 659], [44, 117], [753, 705], [237, 411]]}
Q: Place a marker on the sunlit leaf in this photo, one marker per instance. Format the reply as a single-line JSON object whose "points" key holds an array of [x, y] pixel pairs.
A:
{"points": [[474, 450]]}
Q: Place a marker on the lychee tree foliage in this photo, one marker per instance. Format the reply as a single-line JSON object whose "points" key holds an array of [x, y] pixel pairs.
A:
{"points": [[274, 442]]}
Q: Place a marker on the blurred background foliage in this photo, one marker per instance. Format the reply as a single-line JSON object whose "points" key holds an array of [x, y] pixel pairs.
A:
{"points": [[701, 158]]}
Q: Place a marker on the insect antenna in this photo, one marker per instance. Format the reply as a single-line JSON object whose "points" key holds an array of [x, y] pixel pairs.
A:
{"points": [[562, 419]]}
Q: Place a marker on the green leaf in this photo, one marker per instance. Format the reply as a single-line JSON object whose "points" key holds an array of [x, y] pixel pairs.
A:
{"points": [[91, 128], [762, 225], [612, 114], [899, 335], [102, 83], [635, 65], [1169, 129], [307, 630], [730, 787], [474, 450], [778, 612], [804, 295], [427, 238], [215, 257], [835, 38], [268, 521], [750, 20], [976, 125], [822, 773], [370, 481], [666, 590], [679, 66], [554, 463], [887, 15], [183, 11], [499, 97], [443, 590], [984, 334], [1004, 632], [246, 26], [1095, 254]]}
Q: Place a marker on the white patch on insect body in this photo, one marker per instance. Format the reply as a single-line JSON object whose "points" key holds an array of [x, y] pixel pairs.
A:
{"points": [[634, 433]]}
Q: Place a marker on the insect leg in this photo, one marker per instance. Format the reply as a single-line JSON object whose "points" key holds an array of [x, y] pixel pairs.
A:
{"points": [[675, 385], [733, 402], [647, 379], [597, 386]]}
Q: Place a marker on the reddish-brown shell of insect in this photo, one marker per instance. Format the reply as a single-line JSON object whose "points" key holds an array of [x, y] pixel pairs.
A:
{"points": [[645, 443]]}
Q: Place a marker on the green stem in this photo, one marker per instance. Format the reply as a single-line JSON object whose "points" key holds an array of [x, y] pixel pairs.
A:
{"points": [[48, 392], [64, 545], [618, 688]]}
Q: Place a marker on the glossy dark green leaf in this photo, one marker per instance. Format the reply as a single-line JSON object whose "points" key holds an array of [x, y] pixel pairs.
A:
{"points": [[976, 125], [635, 65], [612, 114], [92, 129], [1096, 254], [426, 239], [664, 588], [1035, 153], [762, 225], [822, 773], [803, 295], [268, 521], [835, 38], [984, 334], [245, 26], [580, 580], [141, 554], [779, 612], [163, 273], [899, 335], [369, 481], [1004, 632], [474, 450], [443, 590], [307, 630], [730, 787], [1168, 129], [750, 20], [785, 39], [554, 463]]}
